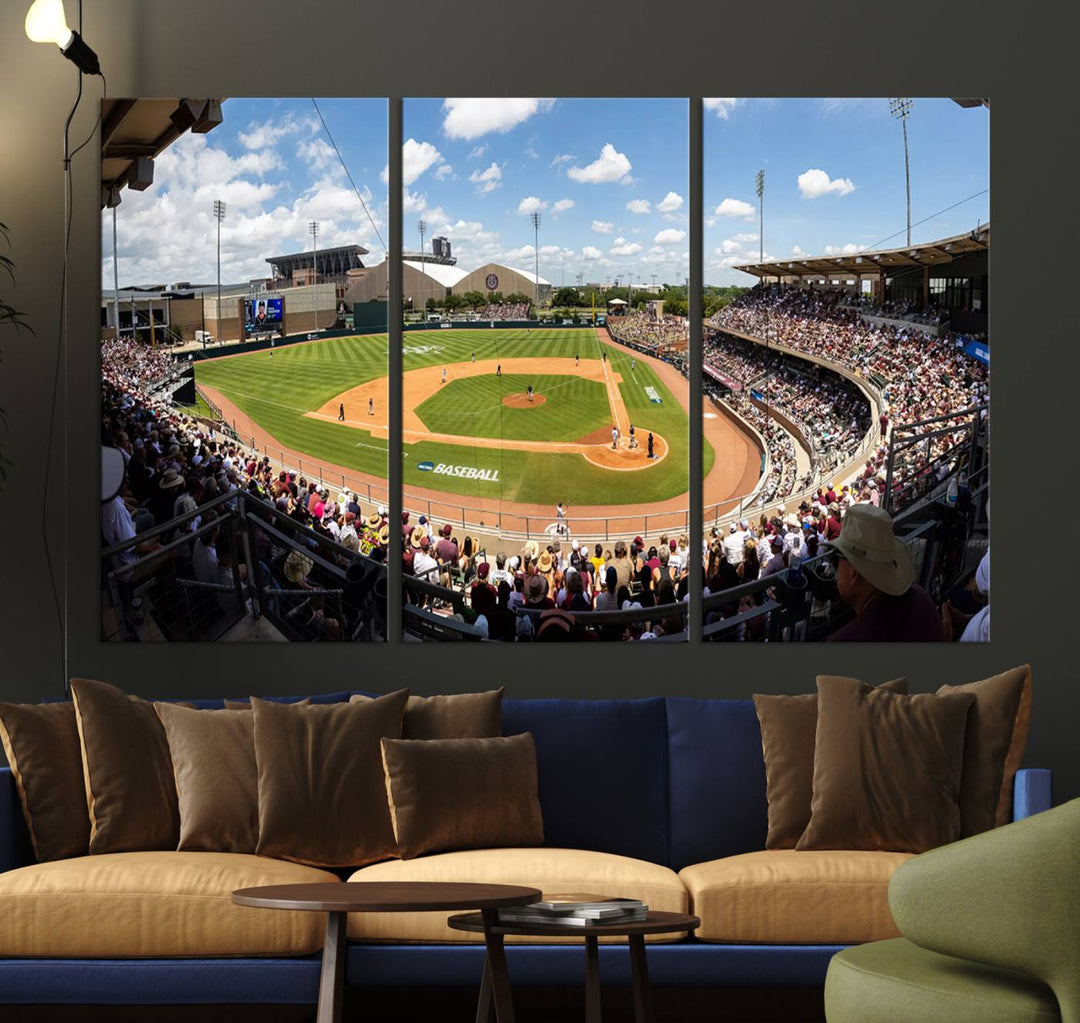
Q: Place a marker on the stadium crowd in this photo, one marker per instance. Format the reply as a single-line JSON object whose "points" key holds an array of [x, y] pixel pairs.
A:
{"points": [[129, 364], [505, 311], [920, 377], [175, 464], [537, 593], [647, 333]]}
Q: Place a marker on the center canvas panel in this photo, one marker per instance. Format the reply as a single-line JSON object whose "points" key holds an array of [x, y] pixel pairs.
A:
{"points": [[545, 394]]}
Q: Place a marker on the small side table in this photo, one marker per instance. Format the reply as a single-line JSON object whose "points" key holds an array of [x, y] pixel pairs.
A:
{"points": [[337, 900], [496, 979]]}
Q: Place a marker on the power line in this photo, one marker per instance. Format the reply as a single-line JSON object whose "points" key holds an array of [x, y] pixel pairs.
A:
{"points": [[341, 160]]}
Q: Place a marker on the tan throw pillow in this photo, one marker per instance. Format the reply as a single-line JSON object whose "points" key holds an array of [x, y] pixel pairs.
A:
{"points": [[322, 796], [42, 746], [127, 770], [463, 793], [217, 781], [458, 716], [788, 725], [994, 745], [886, 769], [246, 704]]}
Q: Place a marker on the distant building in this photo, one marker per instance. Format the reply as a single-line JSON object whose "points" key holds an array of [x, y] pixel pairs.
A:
{"points": [[440, 246]]}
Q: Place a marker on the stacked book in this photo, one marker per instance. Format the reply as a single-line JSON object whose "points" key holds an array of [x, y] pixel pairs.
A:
{"points": [[575, 909]]}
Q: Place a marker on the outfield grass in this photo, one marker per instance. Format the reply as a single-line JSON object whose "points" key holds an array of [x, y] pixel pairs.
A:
{"points": [[277, 392], [473, 407]]}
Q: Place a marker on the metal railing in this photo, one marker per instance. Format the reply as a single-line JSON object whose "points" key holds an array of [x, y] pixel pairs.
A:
{"points": [[233, 559]]}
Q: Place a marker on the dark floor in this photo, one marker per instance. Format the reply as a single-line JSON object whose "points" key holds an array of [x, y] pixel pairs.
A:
{"points": [[458, 1005]]}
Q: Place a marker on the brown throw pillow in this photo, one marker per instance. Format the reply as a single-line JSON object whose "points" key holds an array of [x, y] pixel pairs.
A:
{"points": [[463, 793], [886, 769], [788, 725], [246, 704], [127, 770], [42, 746], [994, 745], [458, 716], [217, 781], [322, 796]]}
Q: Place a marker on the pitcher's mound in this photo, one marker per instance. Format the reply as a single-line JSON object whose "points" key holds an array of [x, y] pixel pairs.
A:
{"points": [[521, 400]]}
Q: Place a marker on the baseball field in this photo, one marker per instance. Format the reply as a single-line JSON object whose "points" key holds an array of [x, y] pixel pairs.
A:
{"points": [[470, 426]]}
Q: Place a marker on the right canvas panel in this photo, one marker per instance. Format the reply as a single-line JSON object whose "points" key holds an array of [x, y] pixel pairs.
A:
{"points": [[847, 370]]}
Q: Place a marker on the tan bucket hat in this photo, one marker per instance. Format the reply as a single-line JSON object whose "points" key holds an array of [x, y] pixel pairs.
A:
{"points": [[867, 541]]}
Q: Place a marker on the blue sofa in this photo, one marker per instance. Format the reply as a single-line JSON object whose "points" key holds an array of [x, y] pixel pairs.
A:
{"points": [[670, 781]]}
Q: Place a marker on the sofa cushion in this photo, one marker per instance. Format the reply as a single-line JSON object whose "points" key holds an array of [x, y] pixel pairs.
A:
{"points": [[896, 980], [153, 904], [457, 716], [602, 772], [780, 896], [448, 794], [42, 746], [709, 742], [550, 870]]}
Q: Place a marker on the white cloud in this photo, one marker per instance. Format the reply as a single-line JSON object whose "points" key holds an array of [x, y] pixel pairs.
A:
{"points": [[477, 151], [814, 183], [735, 208], [844, 250], [444, 170], [269, 133], [669, 236], [488, 180], [531, 153], [562, 205], [317, 153], [471, 118], [721, 107], [796, 251], [727, 246], [412, 202], [710, 221], [551, 250], [562, 158], [417, 157], [591, 252], [638, 206], [603, 226], [530, 204], [609, 166], [624, 248], [519, 254], [671, 201]]}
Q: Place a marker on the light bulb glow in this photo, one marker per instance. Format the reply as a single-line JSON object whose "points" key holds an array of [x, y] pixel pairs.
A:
{"points": [[45, 23]]}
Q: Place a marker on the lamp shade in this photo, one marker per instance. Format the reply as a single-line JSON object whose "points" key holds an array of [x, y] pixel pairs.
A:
{"points": [[45, 23]]}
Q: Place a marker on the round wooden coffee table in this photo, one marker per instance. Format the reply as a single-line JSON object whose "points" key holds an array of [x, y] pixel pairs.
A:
{"points": [[337, 900], [496, 979]]}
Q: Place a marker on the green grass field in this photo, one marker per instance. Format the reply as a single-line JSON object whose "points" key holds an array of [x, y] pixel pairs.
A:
{"points": [[299, 378], [473, 407]]}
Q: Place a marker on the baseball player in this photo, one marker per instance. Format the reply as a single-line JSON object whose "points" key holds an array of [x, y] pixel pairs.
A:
{"points": [[444, 375], [371, 406]]}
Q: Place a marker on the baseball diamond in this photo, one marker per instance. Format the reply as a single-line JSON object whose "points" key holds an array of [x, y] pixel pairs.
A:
{"points": [[495, 451]]}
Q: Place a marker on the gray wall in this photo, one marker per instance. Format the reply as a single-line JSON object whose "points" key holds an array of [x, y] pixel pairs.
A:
{"points": [[154, 48]]}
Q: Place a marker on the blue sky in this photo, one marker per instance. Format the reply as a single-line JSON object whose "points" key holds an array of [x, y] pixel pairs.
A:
{"points": [[271, 162], [609, 178], [834, 177]]}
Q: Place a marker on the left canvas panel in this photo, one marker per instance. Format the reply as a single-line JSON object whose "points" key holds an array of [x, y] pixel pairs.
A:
{"points": [[244, 410]]}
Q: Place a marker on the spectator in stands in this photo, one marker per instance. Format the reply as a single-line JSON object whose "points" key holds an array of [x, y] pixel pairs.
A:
{"points": [[875, 577]]}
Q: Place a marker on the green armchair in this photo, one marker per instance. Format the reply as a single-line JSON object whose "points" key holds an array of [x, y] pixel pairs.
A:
{"points": [[991, 930]]}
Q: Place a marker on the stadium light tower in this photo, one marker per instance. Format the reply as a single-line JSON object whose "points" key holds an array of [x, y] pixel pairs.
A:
{"points": [[423, 228], [759, 184], [536, 252], [219, 216], [901, 110], [313, 227]]}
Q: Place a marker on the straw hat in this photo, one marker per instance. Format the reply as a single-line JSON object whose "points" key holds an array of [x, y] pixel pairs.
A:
{"points": [[418, 535], [867, 541], [384, 535], [532, 548], [171, 479], [297, 567], [544, 564], [373, 520]]}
